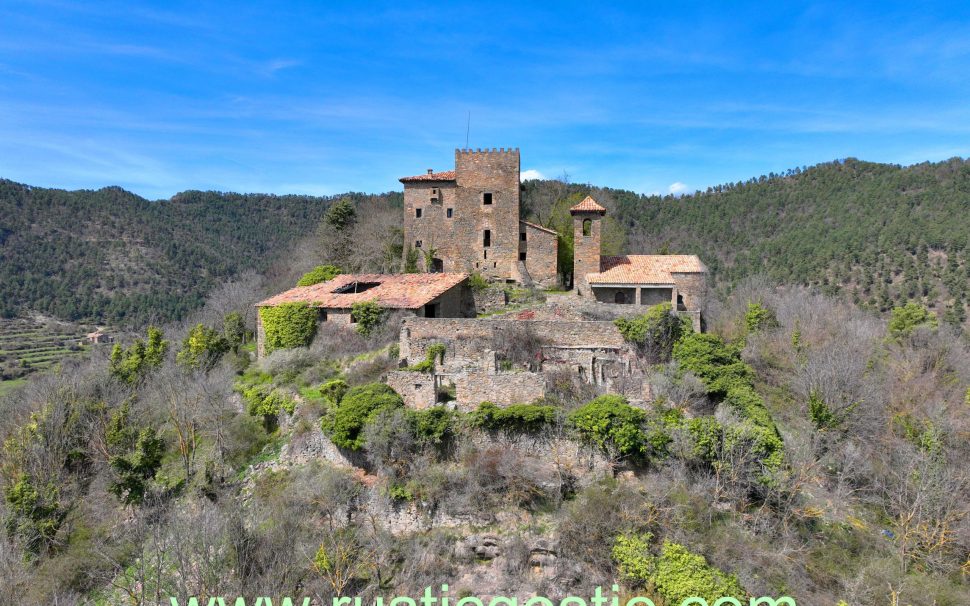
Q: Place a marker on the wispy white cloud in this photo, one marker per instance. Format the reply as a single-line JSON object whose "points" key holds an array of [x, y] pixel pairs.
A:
{"points": [[677, 188], [531, 174]]}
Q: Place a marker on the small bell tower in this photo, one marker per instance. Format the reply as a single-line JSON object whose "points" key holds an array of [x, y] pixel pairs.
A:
{"points": [[587, 221]]}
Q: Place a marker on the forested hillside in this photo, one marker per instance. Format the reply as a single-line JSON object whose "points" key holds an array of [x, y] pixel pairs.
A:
{"points": [[114, 257], [879, 233]]}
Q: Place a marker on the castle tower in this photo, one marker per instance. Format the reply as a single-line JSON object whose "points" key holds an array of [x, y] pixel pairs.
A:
{"points": [[467, 220], [587, 219]]}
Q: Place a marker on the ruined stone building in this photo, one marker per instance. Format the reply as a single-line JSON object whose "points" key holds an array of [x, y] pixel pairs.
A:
{"points": [[476, 365], [647, 280], [467, 220]]}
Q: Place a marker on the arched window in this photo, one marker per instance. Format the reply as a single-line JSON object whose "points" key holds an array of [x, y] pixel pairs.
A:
{"points": [[619, 297], [587, 227]]}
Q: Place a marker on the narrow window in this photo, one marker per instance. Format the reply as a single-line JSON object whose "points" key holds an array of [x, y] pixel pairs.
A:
{"points": [[494, 265], [450, 212], [434, 191], [522, 236], [587, 227], [417, 243], [487, 237], [522, 256], [486, 254], [417, 213], [487, 197]]}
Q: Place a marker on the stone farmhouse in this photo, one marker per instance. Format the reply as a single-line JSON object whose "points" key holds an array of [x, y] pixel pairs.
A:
{"points": [[423, 295], [467, 220]]}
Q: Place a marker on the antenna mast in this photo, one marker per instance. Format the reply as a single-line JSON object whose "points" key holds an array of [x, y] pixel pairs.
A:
{"points": [[468, 128]]}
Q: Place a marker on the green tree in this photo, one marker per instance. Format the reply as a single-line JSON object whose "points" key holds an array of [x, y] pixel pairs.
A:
{"points": [[133, 364], [135, 469], [341, 214], [202, 348], [234, 330], [908, 318]]}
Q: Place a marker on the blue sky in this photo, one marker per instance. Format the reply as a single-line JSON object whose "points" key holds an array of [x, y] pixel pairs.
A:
{"points": [[326, 97]]}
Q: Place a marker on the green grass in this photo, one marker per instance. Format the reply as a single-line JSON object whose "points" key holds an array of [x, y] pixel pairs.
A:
{"points": [[8, 386]]}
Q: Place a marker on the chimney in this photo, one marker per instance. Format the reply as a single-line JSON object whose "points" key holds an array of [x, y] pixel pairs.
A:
{"points": [[430, 171]]}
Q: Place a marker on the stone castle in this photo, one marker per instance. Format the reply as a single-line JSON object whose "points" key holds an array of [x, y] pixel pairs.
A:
{"points": [[468, 221]]}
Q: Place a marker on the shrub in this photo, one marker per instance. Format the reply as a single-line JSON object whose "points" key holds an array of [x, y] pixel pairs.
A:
{"points": [[333, 391], [636, 565], [908, 318], [714, 362], [681, 574], [612, 424], [705, 438], [202, 348], [655, 332], [288, 325], [433, 426], [345, 421], [368, 315], [514, 418], [758, 317], [33, 516], [320, 273]]}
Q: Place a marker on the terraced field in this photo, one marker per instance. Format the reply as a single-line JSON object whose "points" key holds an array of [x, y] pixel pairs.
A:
{"points": [[32, 345]]}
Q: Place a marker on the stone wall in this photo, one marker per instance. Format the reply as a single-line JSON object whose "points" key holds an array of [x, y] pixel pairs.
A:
{"points": [[493, 298], [468, 340], [693, 288], [434, 229], [541, 251], [473, 388], [418, 389]]}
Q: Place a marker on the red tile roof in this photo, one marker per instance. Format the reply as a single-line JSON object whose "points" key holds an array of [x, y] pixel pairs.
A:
{"points": [[588, 205], [399, 291], [645, 269], [539, 227], [448, 175]]}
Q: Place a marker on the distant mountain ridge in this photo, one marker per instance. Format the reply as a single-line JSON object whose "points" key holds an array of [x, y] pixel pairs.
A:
{"points": [[881, 234], [112, 256]]}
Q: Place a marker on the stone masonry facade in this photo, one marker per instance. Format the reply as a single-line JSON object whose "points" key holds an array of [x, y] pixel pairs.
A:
{"points": [[472, 368], [467, 220]]}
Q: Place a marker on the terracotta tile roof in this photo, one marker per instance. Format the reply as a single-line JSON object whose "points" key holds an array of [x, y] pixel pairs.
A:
{"points": [[588, 205], [448, 175], [399, 291], [645, 269], [539, 227]]}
